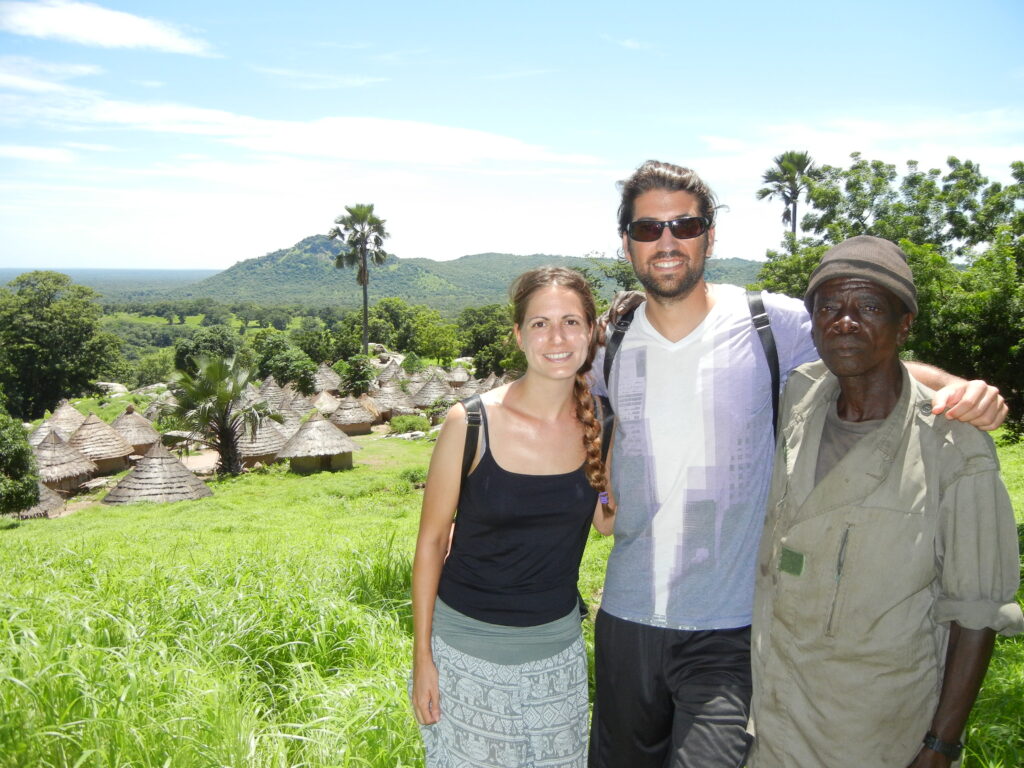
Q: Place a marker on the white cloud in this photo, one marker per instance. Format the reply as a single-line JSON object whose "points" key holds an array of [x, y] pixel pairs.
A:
{"points": [[317, 81], [90, 24], [36, 154]]}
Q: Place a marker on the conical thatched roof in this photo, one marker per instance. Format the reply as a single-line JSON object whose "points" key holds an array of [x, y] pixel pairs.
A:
{"points": [[135, 428], [37, 435], [391, 398], [158, 477], [326, 378], [58, 461], [371, 405], [49, 501], [432, 389], [471, 387], [326, 403], [351, 411], [297, 403], [271, 392], [390, 371], [66, 418], [267, 441], [317, 437], [458, 375], [97, 440]]}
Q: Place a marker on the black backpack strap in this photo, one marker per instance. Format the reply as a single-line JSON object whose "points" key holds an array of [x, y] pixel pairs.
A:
{"points": [[474, 416], [611, 347], [763, 326]]}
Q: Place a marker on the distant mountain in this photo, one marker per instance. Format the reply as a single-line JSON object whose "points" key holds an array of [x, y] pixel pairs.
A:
{"points": [[305, 274], [125, 284]]}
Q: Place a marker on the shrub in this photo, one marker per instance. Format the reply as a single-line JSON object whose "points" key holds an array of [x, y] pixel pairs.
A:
{"points": [[401, 424]]}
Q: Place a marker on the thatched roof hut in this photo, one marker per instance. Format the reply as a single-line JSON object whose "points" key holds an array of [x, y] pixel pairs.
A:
{"points": [[327, 379], [66, 418], [352, 418], [49, 501], [370, 404], [488, 384], [326, 403], [263, 446], [271, 392], [98, 441], [392, 401], [61, 467], [457, 376], [37, 435], [136, 430], [318, 446], [433, 388], [391, 371], [471, 387], [158, 477]]}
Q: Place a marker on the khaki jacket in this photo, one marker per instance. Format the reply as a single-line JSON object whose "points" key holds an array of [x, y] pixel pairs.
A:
{"points": [[859, 576]]}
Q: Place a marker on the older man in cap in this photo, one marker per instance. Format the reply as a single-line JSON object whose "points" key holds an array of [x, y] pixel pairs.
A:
{"points": [[889, 556]]}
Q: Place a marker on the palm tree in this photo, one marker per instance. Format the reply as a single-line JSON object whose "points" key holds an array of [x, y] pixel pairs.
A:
{"points": [[364, 235], [791, 176], [211, 402]]}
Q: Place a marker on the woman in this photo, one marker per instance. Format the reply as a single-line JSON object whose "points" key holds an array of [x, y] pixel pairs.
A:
{"points": [[499, 666]]}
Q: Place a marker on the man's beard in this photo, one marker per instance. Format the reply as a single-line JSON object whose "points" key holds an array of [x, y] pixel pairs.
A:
{"points": [[674, 287]]}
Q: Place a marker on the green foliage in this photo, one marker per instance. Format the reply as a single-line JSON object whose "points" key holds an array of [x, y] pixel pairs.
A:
{"points": [[293, 366], [18, 475], [409, 423], [313, 338], [412, 363], [971, 318], [415, 475], [154, 368], [51, 345], [438, 409], [214, 341], [209, 401], [487, 337], [789, 271], [791, 176], [432, 337], [363, 234], [618, 271], [358, 374]]}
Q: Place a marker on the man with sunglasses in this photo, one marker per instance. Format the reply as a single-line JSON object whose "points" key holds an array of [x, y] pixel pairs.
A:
{"points": [[691, 463]]}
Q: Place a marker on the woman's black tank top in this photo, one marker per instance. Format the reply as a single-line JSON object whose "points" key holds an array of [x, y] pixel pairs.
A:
{"points": [[518, 542]]}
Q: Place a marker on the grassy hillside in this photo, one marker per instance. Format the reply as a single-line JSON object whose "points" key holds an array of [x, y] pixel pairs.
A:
{"points": [[306, 274], [266, 626]]}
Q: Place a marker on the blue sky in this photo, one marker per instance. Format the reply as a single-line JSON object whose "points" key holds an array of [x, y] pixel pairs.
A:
{"points": [[197, 134]]}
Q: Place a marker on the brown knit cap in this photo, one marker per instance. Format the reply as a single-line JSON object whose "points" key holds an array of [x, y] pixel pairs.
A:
{"points": [[869, 258]]}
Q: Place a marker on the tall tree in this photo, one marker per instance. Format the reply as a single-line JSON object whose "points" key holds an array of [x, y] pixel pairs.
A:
{"points": [[18, 475], [363, 234], [210, 402], [790, 177], [51, 345]]}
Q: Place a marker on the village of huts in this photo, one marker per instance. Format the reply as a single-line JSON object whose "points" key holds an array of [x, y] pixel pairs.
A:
{"points": [[146, 457]]}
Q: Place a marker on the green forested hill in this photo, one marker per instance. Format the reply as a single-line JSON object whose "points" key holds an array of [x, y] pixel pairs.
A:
{"points": [[305, 274]]}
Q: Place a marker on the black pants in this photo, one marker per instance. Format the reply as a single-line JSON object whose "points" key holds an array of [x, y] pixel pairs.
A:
{"points": [[669, 698]]}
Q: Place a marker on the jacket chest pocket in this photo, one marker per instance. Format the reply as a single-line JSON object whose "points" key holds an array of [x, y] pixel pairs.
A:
{"points": [[861, 572]]}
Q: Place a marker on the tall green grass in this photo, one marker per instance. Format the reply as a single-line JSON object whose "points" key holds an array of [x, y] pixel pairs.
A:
{"points": [[267, 626]]}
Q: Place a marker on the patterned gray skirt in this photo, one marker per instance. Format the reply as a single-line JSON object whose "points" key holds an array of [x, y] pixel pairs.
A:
{"points": [[531, 715]]}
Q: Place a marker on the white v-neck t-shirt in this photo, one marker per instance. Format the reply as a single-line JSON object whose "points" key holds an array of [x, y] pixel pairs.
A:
{"points": [[692, 459]]}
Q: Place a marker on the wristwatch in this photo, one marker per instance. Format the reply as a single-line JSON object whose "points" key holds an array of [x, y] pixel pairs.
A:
{"points": [[950, 749]]}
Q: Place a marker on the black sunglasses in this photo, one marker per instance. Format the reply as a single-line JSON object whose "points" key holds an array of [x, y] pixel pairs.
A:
{"points": [[683, 228]]}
